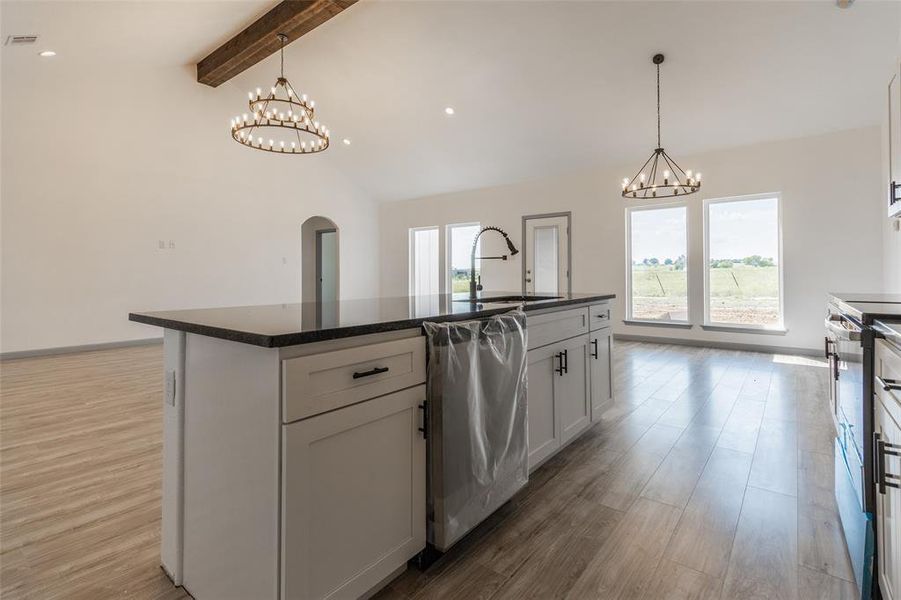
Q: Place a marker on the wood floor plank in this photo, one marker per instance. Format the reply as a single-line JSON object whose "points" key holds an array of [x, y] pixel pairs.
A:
{"points": [[678, 474], [703, 539], [633, 549], [814, 585], [775, 466], [673, 581], [821, 542], [763, 563]]}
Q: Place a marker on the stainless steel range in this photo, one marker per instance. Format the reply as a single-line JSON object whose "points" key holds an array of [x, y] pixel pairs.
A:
{"points": [[850, 342]]}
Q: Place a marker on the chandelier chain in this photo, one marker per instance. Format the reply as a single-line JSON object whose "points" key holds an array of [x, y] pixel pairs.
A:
{"points": [[658, 105]]}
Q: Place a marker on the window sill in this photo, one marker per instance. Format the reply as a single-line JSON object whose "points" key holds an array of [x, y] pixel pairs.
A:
{"points": [[745, 329], [672, 324]]}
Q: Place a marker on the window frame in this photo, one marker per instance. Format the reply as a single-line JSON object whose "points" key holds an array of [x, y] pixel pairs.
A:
{"points": [[680, 323], [748, 327], [411, 235], [449, 251]]}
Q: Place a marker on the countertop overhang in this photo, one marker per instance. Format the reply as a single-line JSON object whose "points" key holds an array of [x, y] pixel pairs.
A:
{"points": [[279, 325]]}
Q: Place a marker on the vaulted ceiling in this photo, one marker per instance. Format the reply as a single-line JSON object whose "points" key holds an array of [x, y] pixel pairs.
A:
{"points": [[537, 87]]}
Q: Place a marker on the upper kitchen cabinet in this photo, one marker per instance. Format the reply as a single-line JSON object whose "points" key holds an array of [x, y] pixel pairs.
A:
{"points": [[894, 144]]}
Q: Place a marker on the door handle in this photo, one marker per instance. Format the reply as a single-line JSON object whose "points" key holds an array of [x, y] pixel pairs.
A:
{"points": [[880, 450], [424, 407], [594, 353], [370, 373], [888, 384], [827, 352], [559, 369]]}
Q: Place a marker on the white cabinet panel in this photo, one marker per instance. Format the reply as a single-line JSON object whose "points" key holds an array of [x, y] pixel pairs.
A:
{"points": [[888, 498], [572, 390], [547, 328], [600, 360], [354, 496], [543, 429], [894, 143]]}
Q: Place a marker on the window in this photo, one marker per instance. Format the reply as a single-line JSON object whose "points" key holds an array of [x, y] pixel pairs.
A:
{"points": [[743, 258], [657, 276], [459, 247], [424, 261]]}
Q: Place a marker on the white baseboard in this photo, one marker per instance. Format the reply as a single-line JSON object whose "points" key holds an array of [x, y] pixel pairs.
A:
{"points": [[81, 348], [724, 345]]}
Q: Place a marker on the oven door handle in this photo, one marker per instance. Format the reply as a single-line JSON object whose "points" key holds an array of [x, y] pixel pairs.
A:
{"points": [[840, 332]]}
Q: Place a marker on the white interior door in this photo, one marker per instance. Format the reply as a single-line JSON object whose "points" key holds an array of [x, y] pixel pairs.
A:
{"points": [[327, 271], [547, 255]]}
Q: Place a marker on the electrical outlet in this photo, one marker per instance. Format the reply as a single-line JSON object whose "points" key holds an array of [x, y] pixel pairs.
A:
{"points": [[170, 388], [171, 244], [162, 245]]}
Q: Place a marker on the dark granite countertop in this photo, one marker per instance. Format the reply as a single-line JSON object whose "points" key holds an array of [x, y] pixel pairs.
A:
{"points": [[278, 325], [868, 307]]}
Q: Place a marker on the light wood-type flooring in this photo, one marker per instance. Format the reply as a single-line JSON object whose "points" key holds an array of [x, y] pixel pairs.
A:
{"points": [[711, 477]]}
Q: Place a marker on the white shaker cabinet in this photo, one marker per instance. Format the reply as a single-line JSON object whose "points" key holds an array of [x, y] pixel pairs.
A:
{"points": [[354, 496], [559, 406], [600, 365], [888, 472]]}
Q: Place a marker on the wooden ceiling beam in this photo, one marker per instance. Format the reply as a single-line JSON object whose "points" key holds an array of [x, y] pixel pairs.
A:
{"points": [[294, 18]]}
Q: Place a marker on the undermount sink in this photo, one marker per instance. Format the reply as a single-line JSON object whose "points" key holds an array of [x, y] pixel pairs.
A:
{"points": [[508, 299]]}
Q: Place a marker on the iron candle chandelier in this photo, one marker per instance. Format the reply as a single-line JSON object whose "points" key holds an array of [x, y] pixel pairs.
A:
{"points": [[282, 121], [660, 176]]}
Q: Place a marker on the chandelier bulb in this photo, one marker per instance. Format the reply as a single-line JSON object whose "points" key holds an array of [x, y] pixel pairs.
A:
{"points": [[698, 177], [641, 177], [312, 103]]}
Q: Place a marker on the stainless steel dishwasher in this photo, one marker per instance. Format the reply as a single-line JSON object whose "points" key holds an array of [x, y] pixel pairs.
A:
{"points": [[477, 430]]}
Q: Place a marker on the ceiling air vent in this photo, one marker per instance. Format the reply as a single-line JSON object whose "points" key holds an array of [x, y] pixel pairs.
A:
{"points": [[14, 40]]}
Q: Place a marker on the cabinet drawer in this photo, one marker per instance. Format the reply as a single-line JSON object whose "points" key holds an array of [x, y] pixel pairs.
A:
{"points": [[321, 382], [599, 316], [552, 327], [888, 367]]}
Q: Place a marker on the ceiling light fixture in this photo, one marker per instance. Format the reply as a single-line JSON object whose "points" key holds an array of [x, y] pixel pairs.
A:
{"points": [[281, 121], [449, 110], [47, 53], [659, 177]]}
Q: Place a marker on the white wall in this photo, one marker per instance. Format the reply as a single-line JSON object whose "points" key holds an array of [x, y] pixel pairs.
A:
{"points": [[101, 161], [832, 203]]}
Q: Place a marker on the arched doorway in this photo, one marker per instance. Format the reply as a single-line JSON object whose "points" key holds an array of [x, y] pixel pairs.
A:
{"points": [[320, 264]]}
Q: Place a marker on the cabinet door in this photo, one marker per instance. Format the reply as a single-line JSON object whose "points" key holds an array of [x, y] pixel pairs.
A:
{"points": [[543, 430], [888, 510], [353, 506], [571, 395], [894, 140], [601, 354]]}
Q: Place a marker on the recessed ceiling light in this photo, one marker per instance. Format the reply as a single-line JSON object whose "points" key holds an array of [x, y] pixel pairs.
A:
{"points": [[449, 110], [48, 53], [346, 142]]}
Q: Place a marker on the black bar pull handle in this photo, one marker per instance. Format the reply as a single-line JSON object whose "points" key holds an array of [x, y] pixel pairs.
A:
{"points": [[560, 370], [881, 449], [566, 361], [371, 372], [424, 407], [888, 384], [594, 352]]}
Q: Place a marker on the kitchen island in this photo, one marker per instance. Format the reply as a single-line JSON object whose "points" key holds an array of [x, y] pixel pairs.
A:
{"points": [[293, 458]]}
